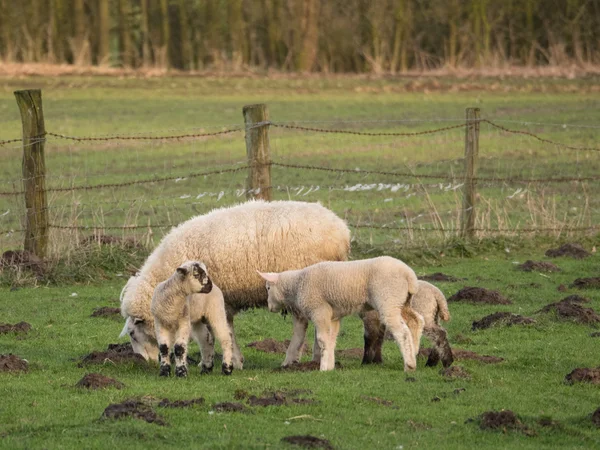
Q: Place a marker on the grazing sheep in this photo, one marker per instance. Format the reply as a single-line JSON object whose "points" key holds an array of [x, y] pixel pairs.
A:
{"points": [[327, 291], [233, 242], [430, 302], [189, 289]]}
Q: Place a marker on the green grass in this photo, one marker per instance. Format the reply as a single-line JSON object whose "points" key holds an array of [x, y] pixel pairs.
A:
{"points": [[43, 409]]}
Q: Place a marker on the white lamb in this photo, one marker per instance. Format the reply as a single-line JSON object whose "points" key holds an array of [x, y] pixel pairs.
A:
{"points": [[233, 242], [327, 291], [189, 289]]}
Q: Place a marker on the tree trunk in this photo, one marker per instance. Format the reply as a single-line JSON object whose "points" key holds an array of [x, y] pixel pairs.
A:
{"points": [[103, 32], [125, 48], [309, 35], [80, 45]]}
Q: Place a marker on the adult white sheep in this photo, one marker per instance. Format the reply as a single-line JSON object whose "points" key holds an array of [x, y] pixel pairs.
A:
{"points": [[189, 292], [233, 242], [326, 292]]}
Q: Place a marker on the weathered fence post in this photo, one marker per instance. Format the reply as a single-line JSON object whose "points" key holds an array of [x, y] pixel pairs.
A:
{"points": [[471, 157], [34, 171], [258, 184]]}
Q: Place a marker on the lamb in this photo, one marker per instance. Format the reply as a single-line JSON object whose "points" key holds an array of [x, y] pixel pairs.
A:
{"points": [[326, 292], [232, 242], [189, 289]]}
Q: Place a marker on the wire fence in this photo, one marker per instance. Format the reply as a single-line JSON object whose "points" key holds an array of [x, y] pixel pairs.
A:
{"points": [[403, 187]]}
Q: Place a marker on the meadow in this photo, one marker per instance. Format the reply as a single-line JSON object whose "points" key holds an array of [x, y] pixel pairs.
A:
{"points": [[355, 406]]}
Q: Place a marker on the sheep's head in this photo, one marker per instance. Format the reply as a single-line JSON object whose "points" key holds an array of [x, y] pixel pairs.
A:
{"points": [[275, 294], [141, 341], [194, 276]]}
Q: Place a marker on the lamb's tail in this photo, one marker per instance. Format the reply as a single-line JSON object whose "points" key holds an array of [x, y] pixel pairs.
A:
{"points": [[413, 284], [443, 311]]}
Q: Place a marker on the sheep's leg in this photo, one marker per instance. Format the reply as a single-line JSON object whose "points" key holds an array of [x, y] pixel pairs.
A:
{"points": [[440, 346], [391, 315], [415, 323], [204, 338], [238, 358], [323, 327], [217, 318], [316, 349], [294, 350], [182, 337], [333, 334], [374, 335], [165, 340]]}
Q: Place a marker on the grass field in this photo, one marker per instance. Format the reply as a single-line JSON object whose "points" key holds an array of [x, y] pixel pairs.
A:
{"points": [[43, 409]]}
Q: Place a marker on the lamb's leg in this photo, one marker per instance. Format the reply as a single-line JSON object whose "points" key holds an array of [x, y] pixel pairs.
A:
{"points": [[333, 334], [165, 339], [182, 337], [217, 318], [391, 315], [374, 335], [238, 358], [440, 346], [204, 338], [415, 323], [316, 349], [323, 327], [294, 350]]}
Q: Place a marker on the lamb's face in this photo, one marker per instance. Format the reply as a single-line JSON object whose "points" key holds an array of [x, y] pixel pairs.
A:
{"points": [[141, 337], [194, 276], [275, 297]]}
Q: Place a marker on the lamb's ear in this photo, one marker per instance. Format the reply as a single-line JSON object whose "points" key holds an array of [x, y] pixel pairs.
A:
{"points": [[182, 271], [125, 328], [137, 321], [205, 281], [269, 276]]}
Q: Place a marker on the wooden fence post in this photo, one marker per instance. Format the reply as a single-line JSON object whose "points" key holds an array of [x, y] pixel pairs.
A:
{"points": [[471, 157], [258, 184], [34, 171]]}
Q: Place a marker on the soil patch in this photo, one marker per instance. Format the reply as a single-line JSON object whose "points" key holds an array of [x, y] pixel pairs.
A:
{"points": [[229, 407], [479, 295], [538, 266], [98, 381], [439, 276], [573, 250], [586, 283], [308, 441], [21, 327], [584, 375], [492, 420], [459, 354], [166, 403], [272, 346], [595, 334], [379, 401], [22, 259], [280, 398], [307, 366], [351, 353], [116, 353], [596, 417], [12, 363], [132, 408], [106, 311], [456, 373], [570, 309], [501, 318]]}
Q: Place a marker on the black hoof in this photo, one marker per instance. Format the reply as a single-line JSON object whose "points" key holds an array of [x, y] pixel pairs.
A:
{"points": [[227, 369], [165, 371], [205, 370], [181, 371]]}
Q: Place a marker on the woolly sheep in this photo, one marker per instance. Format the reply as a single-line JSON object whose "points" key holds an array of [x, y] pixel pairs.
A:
{"points": [[326, 292], [189, 289], [233, 242]]}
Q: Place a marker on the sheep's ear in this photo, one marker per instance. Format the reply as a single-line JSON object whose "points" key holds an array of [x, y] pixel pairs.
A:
{"points": [[269, 276], [182, 271], [137, 321]]}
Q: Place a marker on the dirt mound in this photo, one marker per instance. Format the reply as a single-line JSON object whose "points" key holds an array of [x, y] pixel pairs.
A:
{"points": [[538, 266], [501, 318], [12, 363], [584, 375], [595, 334], [272, 346], [106, 311], [586, 283], [22, 259], [116, 353], [166, 403], [308, 441], [229, 407], [479, 295], [573, 250], [277, 398], [570, 309], [459, 354], [21, 327], [439, 276], [492, 420], [132, 408], [456, 373], [596, 417], [307, 366], [379, 401], [98, 381], [351, 353]]}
